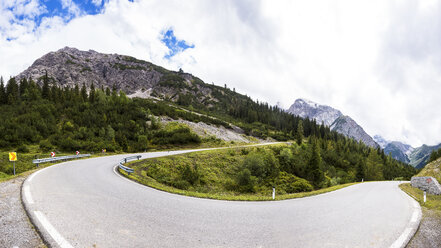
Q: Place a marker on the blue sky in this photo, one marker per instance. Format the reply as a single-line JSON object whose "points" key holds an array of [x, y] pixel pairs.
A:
{"points": [[174, 45], [70, 9]]}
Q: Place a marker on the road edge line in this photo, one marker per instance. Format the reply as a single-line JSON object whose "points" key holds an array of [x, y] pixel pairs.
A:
{"points": [[60, 240], [36, 224], [27, 211], [412, 226]]}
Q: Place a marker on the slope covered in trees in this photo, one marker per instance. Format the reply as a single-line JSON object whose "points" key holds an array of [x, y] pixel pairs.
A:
{"points": [[90, 119], [74, 119], [254, 171]]}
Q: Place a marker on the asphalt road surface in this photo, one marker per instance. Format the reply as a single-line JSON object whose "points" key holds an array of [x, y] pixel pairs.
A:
{"points": [[85, 203]]}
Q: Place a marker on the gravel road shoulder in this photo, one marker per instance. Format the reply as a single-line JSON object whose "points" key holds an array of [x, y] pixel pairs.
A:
{"points": [[429, 232], [15, 228]]}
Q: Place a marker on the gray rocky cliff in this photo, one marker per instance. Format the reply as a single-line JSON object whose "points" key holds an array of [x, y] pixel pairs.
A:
{"points": [[308, 109], [348, 127], [333, 118]]}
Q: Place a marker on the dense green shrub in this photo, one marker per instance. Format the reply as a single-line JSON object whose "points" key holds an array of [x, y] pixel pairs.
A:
{"points": [[292, 184], [245, 181], [45, 145], [23, 148], [175, 133], [262, 164], [190, 174]]}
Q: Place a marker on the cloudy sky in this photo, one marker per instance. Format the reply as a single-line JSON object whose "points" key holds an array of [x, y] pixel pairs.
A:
{"points": [[377, 61]]}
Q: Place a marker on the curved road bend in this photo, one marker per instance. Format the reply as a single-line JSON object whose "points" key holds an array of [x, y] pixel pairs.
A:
{"points": [[84, 203]]}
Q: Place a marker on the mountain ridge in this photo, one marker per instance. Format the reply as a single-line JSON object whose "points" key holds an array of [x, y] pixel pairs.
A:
{"points": [[69, 67], [332, 118], [417, 157]]}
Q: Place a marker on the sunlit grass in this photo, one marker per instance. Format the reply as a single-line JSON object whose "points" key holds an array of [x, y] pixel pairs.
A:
{"points": [[432, 201]]}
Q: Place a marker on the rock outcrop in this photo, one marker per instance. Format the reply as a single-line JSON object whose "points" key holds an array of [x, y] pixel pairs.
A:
{"points": [[428, 184], [308, 109], [348, 127], [333, 118]]}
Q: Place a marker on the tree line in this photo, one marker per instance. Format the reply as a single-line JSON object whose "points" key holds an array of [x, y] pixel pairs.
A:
{"points": [[82, 118], [93, 118]]}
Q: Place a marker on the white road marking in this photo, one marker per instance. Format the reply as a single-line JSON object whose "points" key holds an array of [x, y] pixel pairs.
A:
{"points": [[402, 239], [52, 231], [116, 173], [33, 175], [28, 196], [414, 217]]}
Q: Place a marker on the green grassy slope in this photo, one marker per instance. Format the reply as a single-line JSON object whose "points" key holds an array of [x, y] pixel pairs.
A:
{"points": [[432, 169]]}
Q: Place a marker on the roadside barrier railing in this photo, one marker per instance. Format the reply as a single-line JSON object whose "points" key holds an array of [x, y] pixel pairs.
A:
{"points": [[125, 160], [53, 159]]}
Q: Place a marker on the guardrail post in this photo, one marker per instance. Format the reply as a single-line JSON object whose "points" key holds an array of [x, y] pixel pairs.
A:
{"points": [[125, 160]]}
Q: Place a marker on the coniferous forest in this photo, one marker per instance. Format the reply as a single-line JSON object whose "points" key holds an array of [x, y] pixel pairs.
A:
{"points": [[90, 118]]}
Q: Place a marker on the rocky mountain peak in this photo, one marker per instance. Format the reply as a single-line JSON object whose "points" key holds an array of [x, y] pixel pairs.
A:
{"points": [[69, 66], [348, 127], [137, 78], [331, 117], [309, 109]]}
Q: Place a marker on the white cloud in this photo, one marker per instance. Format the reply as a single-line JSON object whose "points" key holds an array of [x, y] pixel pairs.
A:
{"points": [[377, 61], [72, 8], [97, 2], [17, 17]]}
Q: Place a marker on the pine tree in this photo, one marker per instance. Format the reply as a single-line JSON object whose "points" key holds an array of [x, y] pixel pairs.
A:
{"points": [[53, 93], [361, 170], [23, 86], [107, 91], [3, 98], [45, 91], [92, 93], [299, 133], [374, 166], [12, 91], [84, 93], [316, 175]]}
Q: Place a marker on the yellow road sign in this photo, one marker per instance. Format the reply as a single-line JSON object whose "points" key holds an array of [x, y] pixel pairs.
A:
{"points": [[12, 156]]}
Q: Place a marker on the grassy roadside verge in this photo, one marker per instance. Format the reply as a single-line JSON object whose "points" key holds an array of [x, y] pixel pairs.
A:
{"points": [[429, 231], [215, 171], [25, 160], [150, 182], [433, 201]]}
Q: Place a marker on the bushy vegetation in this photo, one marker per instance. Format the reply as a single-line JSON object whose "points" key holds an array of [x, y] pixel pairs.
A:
{"points": [[256, 170], [433, 202], [24, 161], [90, 119], [432, 169], [434, 155], [71, 119]]}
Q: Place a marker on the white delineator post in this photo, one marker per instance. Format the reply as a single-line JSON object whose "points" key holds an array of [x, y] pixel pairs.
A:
{"points": [[424, 196], [274, 193]]}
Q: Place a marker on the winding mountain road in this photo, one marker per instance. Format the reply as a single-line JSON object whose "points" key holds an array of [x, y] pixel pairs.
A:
{"points": [[85, 203]]}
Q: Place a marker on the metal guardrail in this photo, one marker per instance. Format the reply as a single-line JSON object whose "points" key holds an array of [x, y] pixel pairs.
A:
{"points": [[124, 160], [45, 160]]}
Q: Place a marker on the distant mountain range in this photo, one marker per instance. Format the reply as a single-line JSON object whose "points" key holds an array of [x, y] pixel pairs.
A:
{"points": [[345, 125], [417, 157], [333, 118]]}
